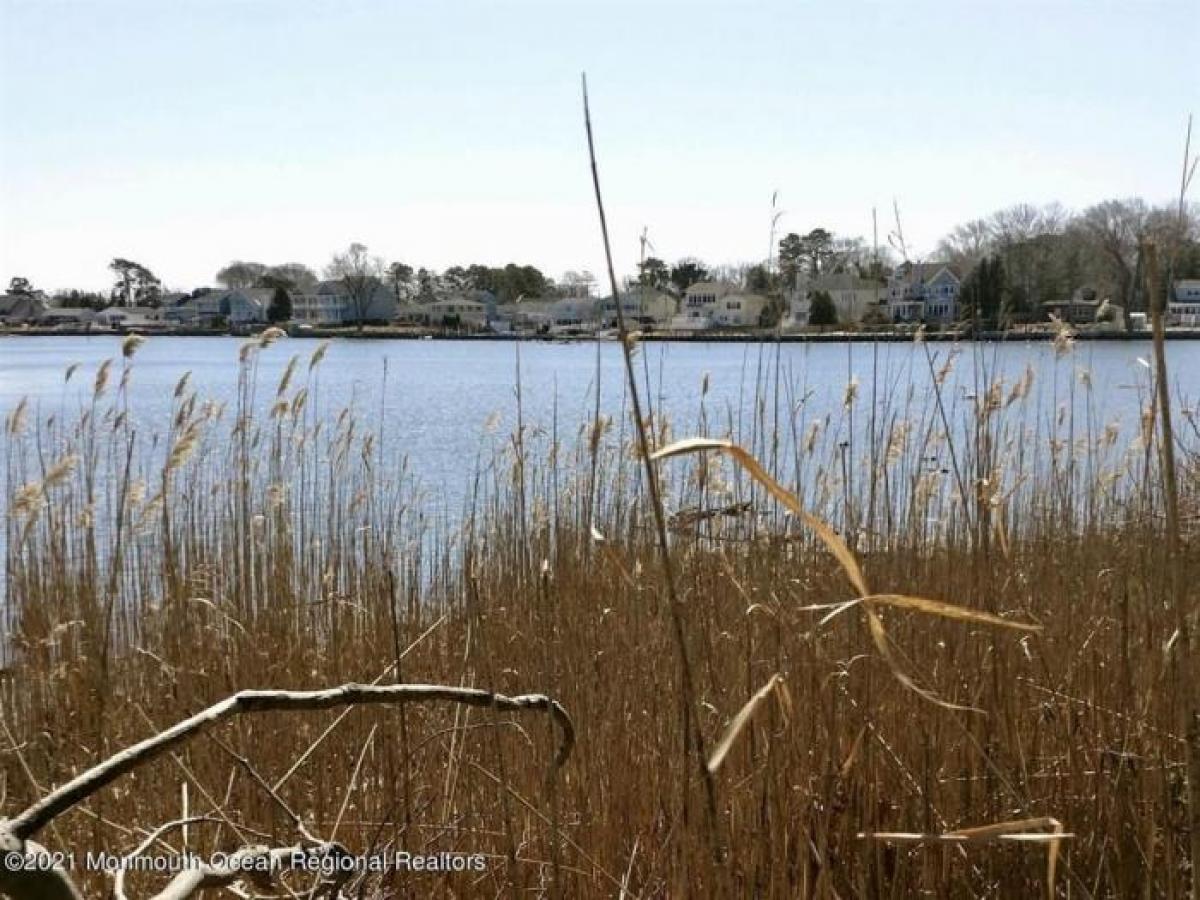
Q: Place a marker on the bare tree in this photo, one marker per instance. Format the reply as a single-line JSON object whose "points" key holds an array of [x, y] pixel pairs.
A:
{"points": [[1116, 228], [360, 275], [967, 244], [239, 274], [296, 275], [1015, 224]]}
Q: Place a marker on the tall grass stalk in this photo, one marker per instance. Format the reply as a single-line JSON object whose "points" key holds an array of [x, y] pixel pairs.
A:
{"points": [[693, 735]]}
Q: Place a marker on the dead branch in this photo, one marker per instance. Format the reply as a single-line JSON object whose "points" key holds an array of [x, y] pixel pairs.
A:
{"points": [[52, 884], [253, 864]]}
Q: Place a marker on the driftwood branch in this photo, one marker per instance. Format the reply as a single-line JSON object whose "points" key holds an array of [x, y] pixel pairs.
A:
{"points": [[151, 838], [28, 823], [15, 833], [253, 864]]}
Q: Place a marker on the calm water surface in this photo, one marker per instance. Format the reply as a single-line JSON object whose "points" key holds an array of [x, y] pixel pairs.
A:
{"points": [[434, 399]]}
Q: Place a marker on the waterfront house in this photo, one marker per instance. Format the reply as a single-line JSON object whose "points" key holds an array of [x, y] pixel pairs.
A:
{"points": [[854, 298], [524, 315], [574, 314], [18, 309], [331, 303], [924, 292], [740, 309], [1078, 309], [68, 316], [136, 317], [717, 304], [1183, 305], [697, 309], [172, 299], [457, 311], [639, 306], [212, 308]]}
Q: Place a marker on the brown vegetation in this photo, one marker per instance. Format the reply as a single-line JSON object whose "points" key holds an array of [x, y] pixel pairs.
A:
{"points": [[873, 747]]}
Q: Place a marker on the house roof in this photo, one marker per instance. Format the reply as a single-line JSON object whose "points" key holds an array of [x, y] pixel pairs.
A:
{"points": [[1191, 285], [25, 303], [929, 270], [709, 287]]}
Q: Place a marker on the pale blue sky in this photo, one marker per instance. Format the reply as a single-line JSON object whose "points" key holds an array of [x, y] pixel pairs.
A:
{"points": [[184, 133]]}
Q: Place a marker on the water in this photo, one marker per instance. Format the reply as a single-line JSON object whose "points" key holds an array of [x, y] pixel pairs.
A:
{"points": [[433, 400]]}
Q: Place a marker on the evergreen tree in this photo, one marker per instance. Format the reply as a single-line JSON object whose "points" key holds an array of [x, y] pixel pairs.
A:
{"points": [[821, 310], [984, 293], [280, 309], [687, 272]]}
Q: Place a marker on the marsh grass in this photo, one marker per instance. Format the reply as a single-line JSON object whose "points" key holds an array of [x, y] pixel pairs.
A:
{"points": [[154, 568]]}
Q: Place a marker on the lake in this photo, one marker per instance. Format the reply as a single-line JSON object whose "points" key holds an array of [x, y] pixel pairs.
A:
{"points": [[442, 401]]}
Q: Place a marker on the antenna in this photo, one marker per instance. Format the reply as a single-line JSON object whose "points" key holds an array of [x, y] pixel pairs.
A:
{"points": [[644, 240]]}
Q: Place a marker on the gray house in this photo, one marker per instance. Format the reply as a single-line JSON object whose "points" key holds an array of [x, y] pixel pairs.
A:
{"points": [[243, 306], [924, 292], [17, 309]]}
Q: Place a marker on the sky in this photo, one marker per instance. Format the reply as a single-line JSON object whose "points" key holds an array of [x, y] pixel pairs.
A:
{"points": [[188, 133]]}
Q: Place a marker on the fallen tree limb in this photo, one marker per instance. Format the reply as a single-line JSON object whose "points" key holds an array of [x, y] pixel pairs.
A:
{"points": [[55, 884], [254, 864]]}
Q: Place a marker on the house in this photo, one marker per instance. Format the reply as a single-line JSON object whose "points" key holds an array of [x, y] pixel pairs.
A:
{"points": [[16, 309], [172, 298], [854, 298], [574, 314], [740, 309], [141, 318], [459, 310], [526, 315], [714, 304], [1183, 306], [639, 306], [924, 292], [68, 316], [1078, 309], [332, 303], [209, 308]]}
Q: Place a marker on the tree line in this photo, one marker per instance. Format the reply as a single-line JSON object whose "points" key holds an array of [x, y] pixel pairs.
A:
{"points": [[1011, 263], [1024, 256]]}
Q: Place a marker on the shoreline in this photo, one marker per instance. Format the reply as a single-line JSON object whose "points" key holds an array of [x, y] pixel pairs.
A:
{"points": [[747, 337]]}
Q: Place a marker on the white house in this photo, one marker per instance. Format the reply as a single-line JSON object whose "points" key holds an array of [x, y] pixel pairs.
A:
{"points": [[331, 303], [131, 317], [698, 306], [457, 310], [714, 304], [1183, 306], [924, 292], [853, 298], [740, 309]]}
